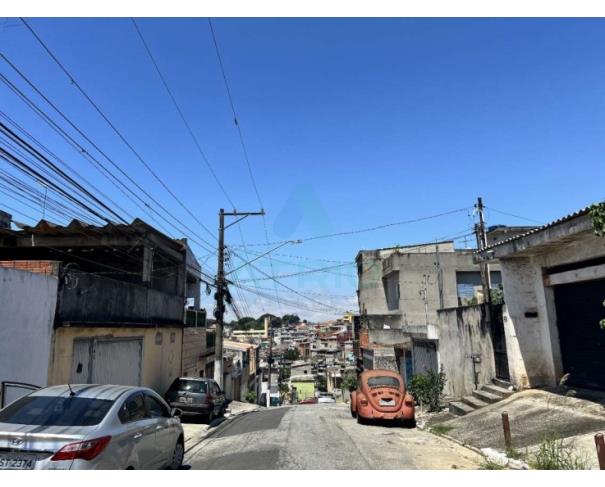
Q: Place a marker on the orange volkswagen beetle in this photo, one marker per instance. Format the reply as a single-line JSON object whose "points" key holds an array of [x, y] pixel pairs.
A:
{"points": [[381, 395]]}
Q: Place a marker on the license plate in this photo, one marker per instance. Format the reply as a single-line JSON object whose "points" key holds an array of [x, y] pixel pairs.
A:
{"points": [[17, 462], [186, 400], [386, 402]]}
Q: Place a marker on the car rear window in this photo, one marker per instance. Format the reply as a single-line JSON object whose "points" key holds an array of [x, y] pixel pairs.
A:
{"points": [[56, 411], [198, 386], [384, 381]]}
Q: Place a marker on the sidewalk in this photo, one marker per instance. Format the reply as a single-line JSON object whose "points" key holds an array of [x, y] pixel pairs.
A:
{"points": [[534, 415]]}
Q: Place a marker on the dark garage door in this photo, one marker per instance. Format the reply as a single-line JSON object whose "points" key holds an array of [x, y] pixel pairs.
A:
{"points": [[579, 309]]}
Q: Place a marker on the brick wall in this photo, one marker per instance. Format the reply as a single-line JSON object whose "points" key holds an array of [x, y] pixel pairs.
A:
{"points": [[48, 267]]}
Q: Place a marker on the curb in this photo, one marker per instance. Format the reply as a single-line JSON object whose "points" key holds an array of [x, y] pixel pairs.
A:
{"points": [[210, 432], [487, 453]]}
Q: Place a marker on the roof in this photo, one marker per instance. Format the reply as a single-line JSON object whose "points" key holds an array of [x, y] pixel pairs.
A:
{"points": [[571, 216], [238, 345], [93, 391], [134, 230]]}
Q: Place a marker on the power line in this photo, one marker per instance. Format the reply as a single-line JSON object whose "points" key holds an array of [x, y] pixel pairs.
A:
{"points": [[112, 126], [368, 229], [274, 279], [243, 144], [283, 276], [181, 114], [513, 215], [89, 157]]}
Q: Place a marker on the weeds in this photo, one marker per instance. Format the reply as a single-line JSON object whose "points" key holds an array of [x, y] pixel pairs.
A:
{"points": [[441, 429], [516, 454], [554, 454], [488, 464]]}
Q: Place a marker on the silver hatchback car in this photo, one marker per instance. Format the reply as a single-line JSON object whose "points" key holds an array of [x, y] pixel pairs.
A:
{"points": [[90, 427]]}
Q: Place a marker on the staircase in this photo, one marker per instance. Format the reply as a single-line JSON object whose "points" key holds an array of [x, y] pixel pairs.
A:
{"points": [[487, 394]]}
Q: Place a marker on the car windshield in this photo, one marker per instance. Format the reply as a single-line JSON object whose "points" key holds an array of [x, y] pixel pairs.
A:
{"points": [[384, 381], [197, 386], [56, 411]]}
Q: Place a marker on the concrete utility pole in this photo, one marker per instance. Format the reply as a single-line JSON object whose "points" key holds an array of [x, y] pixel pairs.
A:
{"points": [[270, 362], [481, 244], [221, 289]]}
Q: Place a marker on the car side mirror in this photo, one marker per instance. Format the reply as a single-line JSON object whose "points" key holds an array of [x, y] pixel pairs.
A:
{"points": [[176, 413]]}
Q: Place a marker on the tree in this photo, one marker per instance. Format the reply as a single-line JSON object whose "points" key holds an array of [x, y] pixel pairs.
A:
{"points": [[597, 213], [290, 319], [320, 382], [291, 354]]}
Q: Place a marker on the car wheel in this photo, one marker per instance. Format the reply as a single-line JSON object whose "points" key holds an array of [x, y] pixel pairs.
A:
{"points": [[353, 413], [221, 412], [361, 420], [408, 423], [177, 455], [210, 417]]}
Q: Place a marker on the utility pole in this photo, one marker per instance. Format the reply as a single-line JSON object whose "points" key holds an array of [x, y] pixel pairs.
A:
{"points": [[222, 291], [481, 244], [270, 362]]}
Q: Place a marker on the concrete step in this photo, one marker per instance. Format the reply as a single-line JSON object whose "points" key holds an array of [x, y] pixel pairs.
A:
{"points": [[459, 408], [473, 402], [501, 383], [486, 396], [497, 390]]}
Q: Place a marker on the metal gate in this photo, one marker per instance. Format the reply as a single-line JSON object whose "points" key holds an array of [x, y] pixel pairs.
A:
{"points": [[424, 356], [499, 344], [107, 361], [579, 309]]}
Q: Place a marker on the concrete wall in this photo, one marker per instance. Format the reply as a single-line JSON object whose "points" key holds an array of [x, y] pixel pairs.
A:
{"points": [[194, 351], [27, 310], [462, 332], [161, 363], [530, 324], [101, 299], [412, 265]]}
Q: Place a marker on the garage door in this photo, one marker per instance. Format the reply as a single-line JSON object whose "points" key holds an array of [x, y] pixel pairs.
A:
{"points": [[107, 361], [579, 309]]}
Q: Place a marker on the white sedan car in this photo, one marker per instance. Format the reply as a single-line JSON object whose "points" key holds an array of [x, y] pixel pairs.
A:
{"points": [[326, 398], [90, 427]]}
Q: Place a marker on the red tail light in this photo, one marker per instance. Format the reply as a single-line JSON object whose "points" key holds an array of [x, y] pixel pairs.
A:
{"points": [[85, 450], [363, 402], [409, 400], [209, 397]]}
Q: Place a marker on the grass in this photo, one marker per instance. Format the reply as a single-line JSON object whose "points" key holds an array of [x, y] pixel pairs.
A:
{"points": [[554, 454], [488, 464], [515, 454], [441, 429]]}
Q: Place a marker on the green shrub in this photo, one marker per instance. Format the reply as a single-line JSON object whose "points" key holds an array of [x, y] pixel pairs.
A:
{"points": [[554, 454], [427, 389], [349, 383], [251, 397]]}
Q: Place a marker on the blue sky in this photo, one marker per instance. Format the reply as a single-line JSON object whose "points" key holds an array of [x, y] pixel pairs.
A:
{"points": [[349, 123]]}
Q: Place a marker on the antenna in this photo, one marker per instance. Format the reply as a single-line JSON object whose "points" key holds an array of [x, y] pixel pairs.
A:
{"points": [[71, 391]]}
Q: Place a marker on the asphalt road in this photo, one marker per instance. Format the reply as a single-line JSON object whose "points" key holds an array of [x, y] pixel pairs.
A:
{"points": [[322, 436]]}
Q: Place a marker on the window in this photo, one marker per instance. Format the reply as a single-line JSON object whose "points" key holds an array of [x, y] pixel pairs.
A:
{"points": [[384, 381], [133, 409], [189, 385], [155, 408], [56, 411]]}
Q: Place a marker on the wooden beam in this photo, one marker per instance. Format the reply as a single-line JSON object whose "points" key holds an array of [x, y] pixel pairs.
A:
{"points": [[576, 275]]}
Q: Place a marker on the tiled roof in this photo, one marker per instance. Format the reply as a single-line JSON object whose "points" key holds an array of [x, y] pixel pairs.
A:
{"points": [[563, 219]]}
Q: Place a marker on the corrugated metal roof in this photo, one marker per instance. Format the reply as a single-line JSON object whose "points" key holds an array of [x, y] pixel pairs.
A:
{"points": [[76, 227], [558, 221]]}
